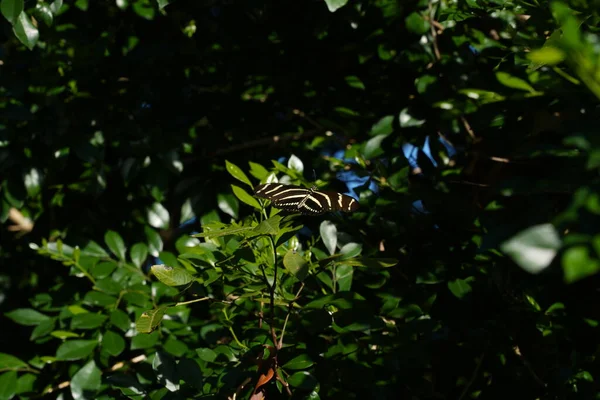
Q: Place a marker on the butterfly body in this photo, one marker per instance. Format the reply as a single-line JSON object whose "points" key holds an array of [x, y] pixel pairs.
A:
{"points": [[306, 201]]}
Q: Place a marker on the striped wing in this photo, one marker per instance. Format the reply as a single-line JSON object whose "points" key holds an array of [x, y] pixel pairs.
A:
{"points": [[306, 201]]}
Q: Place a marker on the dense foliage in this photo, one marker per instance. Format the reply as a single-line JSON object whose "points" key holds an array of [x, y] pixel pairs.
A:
{"points": [[136, 262]]}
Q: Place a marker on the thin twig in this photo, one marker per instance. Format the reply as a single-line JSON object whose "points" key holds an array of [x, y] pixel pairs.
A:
{"points": [[473, 376], [436, 50]]}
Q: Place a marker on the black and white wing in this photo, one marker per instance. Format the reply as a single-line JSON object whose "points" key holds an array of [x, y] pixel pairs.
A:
{"points": [[306, 201]]}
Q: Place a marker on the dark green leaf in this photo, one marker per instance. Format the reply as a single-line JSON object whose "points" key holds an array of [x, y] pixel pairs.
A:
{"points": [[75, 349], [302, 361], [206, 354], [417, 24], [87, 321], [11, 9], [113, 343], [303, 380], [460, 287]]}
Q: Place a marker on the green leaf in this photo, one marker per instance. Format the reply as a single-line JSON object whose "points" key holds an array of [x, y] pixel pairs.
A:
{"points": [[56, 5], [145, 9], [113, 343], [547, 55], [25, 31], [534, 248], [269, 226], [87, 321], [228, 204], [302, 361], [295, 164], [26, 383], [244, 197], [303, 380], [355, 82], [120, 319], [350, 250], [334, 5], [513, 82], [158, 216], [237, 173], [43, 329], [233, 230], [8, 361], [384, 126], [206, 354], [11, 9], [329, 236], [75, 349], [149, 320], [171, 276], [258, 171], [155, 243], [415, 23], [93, 249], [373, 148], [407, 120], [483, 96], [27, 316], [344, 274], [99, 299], [86, 380], [115, 243], [44, 13], [8, 385], [163, 3], [460, 287], [295, 264], [577, 264], [138, 254]]}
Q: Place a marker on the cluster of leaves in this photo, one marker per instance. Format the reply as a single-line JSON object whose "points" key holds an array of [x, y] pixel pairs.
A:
{"points": [[263, 297], [497, 244]]}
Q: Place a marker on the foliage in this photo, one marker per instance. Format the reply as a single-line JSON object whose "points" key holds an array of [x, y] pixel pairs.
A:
{"points": [[134, 133]]}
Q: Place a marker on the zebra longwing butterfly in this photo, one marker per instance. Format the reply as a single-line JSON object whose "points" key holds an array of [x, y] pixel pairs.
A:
{"points": [[306, 201]]}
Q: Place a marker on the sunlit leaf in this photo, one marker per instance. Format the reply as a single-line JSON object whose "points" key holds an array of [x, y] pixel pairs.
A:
{"points": [[171, 276], [534, 248], [295, 264], [149, 320], [329, 235]]}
